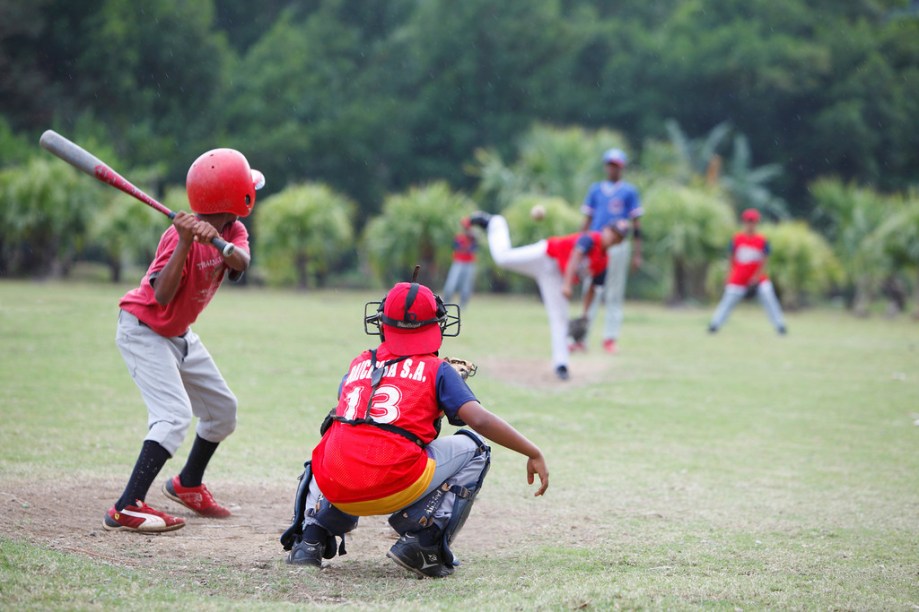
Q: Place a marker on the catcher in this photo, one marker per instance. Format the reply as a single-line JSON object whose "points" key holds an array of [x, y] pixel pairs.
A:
{"points": [[380, 454]]}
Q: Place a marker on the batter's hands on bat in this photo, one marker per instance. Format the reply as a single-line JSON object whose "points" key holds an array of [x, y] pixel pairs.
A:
{"points": [[536, 466], [185, 225], [205, 232]]}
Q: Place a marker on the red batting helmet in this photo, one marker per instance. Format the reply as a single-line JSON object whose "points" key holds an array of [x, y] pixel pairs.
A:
{"points": [[750, 214], [221, 181]]}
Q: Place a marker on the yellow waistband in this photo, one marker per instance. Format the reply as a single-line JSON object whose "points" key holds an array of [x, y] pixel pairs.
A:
{"points": [[396, 501]]}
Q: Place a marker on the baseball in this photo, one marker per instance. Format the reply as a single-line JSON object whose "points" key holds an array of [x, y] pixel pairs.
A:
{"points": [[538, 212]]}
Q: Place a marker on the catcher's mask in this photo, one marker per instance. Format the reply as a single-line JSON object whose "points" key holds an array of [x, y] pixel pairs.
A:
{"points": [[411, 319], [221, 181]]}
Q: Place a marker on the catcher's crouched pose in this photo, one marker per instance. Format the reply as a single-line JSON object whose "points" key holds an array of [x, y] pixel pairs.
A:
{"points": [[380, 454]]}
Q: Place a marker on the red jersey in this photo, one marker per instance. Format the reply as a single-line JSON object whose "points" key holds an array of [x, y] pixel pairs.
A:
{"points": [[202, 274], [366, 470], [748, 256], [464, 247], [590, 243]]}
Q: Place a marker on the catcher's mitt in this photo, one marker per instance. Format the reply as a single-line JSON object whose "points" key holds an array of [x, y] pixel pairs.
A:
{"points": [[463, 367], [577, 329]]}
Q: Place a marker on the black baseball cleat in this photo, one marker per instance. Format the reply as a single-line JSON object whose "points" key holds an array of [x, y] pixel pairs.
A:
{"points": [[426, 561], [562, 372], [712, 329], [782, 331], [480, 218], [306, 553]]}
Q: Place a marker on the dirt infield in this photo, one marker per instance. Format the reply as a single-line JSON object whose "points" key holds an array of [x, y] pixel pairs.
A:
{"points": [[67, 517]]}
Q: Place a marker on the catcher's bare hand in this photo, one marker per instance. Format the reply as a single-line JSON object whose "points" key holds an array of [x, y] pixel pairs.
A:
{"points": [[463, 367], [537, 467]]}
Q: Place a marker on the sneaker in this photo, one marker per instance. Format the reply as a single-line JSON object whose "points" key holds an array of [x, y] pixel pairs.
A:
{"points": [[197, 498], [141, 517], [480, 218], [609, 345], [306, 553], [426, 561], [562, 372], [577, 347]]}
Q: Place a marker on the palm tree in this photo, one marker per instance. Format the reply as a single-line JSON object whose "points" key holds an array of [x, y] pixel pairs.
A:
{"points": [[46, 209], [690, 229], [746, 185], [301, 232], [551, 161], [415, 227], [849, 215]]}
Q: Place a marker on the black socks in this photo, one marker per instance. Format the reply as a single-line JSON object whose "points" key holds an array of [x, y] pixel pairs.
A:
{"points": [[193, 472], [151, 460]]}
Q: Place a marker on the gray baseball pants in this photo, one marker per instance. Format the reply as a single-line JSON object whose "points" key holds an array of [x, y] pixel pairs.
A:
{"points": [[178, 379], [733, 294]]}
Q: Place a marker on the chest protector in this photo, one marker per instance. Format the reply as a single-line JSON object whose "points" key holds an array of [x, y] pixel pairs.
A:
{"points": [[397, 395]]}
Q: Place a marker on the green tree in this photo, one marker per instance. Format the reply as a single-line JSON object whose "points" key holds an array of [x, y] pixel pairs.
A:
{"points": [[688, 231], [45, 213], [899, 237], [302, 232], [126, 232], [550, 161], [150, 79], [746, 185], [849, 216], [415, 228], [802, 264]]}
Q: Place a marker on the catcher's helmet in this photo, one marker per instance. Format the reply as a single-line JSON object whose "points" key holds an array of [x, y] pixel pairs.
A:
{"points": [[411, 319], [221, 181]]}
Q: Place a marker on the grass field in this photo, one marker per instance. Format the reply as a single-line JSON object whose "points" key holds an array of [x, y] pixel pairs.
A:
{"points": [[737, 471]]}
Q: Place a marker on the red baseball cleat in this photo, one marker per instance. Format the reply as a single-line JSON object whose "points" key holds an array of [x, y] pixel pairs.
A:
{"points": [[609, 345], [142, 518], [577, 347], [197, 498]]}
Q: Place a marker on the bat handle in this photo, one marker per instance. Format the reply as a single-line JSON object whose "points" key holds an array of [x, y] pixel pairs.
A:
{"points": [[226, 248], [223, 246]]}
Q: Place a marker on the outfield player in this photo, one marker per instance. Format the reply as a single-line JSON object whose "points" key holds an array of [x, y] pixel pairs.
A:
{"points": [[175, 373], [461, 276], [607, 201], [555, 264], [749, 251], [380, 452]]}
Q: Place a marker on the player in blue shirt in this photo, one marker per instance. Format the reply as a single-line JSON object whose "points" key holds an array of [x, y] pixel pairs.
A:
{"points": [[608, 201]]}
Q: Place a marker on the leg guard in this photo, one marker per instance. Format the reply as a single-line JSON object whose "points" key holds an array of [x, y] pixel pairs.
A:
{"points": [[334, 522], [465, 498], [293, 533], [445, 509]]}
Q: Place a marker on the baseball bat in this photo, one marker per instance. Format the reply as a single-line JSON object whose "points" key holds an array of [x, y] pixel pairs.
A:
{"points": [[83, 160]]}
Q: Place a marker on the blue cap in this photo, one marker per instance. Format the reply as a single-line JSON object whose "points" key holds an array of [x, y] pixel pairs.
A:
{"points": [[615, 156]]}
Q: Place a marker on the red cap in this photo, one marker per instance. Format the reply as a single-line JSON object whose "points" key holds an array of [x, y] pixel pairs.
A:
{"points": [[411, 325], [751, 214]]}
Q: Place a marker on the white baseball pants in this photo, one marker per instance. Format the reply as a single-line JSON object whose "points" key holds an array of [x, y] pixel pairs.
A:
{"points": [[531, 260]]}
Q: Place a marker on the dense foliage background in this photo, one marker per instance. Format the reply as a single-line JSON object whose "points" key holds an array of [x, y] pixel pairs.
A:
{"points": [[737, 102]]}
